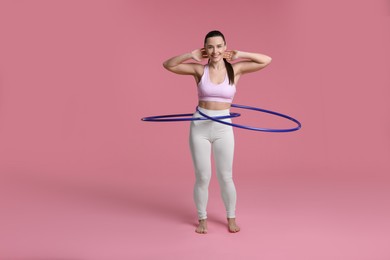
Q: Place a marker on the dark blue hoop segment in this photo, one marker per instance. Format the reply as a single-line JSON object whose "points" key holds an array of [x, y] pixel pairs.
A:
{"points": [[188, 117], [168, 118], [256, 128]]}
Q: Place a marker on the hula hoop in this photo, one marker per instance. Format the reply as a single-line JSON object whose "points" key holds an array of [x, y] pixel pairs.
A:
{"points": [[166, 118], [257, 128]]}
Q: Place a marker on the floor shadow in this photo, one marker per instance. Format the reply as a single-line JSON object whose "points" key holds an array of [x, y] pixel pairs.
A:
{"points": [[132, 200], [44, 258]]}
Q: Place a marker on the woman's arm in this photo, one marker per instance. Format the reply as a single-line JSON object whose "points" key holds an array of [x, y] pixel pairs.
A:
{"points": [[253, 61], [176, 64]]}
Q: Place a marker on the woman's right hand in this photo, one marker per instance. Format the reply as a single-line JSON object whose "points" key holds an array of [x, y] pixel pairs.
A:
{"points": [[199, 54]]}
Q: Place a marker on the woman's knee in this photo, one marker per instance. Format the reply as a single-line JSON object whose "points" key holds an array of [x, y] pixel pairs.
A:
{"points": [[203, 177], [225, 176]]}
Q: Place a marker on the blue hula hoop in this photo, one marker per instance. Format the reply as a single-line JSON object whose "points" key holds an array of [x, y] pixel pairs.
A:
{"points": [[168, 118], [257, 128]]}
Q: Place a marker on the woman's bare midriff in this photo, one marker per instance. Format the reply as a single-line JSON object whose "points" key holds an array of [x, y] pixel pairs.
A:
{"points": [[214, 105]]}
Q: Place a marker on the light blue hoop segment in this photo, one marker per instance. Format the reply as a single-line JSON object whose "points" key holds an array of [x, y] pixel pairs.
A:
{"points": [[168, 118], [256, 128]]}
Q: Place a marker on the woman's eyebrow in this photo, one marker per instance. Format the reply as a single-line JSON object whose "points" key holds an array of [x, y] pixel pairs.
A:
{"points": [[210, 45]]}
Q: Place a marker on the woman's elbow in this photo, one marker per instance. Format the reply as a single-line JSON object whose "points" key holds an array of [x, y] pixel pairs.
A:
{"points": [[268, 60]]}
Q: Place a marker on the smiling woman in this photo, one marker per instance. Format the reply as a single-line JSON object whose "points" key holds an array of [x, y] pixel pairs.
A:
{"points": [[216, 82]]}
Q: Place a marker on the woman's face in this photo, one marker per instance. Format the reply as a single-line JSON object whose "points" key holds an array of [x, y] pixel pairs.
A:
{"points": [[215, 47]]}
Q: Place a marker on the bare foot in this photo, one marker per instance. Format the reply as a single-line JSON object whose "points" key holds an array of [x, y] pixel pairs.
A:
{"points": [[233, 228], [202, 228]]}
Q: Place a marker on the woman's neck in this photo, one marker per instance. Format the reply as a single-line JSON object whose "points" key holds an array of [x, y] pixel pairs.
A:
{"points": [[220, 65]]}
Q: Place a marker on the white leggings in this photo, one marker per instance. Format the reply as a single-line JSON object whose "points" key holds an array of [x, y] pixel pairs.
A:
{"points": [[204, 135]]}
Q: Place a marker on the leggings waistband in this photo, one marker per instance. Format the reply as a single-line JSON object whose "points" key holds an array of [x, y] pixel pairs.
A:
{"points": [[214, 112]]}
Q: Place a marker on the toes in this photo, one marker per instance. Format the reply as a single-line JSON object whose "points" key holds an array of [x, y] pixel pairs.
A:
{"points": [[234, 229], [201, 229]]}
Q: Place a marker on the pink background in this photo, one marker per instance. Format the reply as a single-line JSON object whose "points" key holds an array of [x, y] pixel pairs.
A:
{"points": [[83, 178]]}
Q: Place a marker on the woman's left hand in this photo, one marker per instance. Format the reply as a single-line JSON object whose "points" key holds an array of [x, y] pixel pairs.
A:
{"points": [[231, 55]]}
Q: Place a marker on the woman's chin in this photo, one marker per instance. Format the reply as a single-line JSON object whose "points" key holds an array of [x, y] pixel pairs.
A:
{"points": [[216, 59]]}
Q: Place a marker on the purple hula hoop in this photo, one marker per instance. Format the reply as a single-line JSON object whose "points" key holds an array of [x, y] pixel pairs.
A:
{"points": [[257, 128], [168, 118]]}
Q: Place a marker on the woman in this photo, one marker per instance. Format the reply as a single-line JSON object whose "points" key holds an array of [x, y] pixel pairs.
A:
{"points": [[216, 82]]}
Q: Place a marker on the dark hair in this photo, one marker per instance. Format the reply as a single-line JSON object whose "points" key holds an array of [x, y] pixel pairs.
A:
{"points": [[228, 66]]}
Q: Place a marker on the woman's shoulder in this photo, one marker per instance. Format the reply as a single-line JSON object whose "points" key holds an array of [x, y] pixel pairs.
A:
{"points": [[200, 69]]}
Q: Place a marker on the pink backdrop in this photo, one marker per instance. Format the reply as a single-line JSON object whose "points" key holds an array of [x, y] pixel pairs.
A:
{"points": [[83, 178]]}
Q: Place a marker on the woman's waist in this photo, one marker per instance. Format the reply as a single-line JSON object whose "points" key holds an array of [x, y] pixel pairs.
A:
{"points": [[214, 105], [212, 112]]}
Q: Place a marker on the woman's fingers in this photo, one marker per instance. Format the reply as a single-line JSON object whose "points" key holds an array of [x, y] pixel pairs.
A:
{"points": [[204, 53], [198, 54], [231, 55], [228, 55]]}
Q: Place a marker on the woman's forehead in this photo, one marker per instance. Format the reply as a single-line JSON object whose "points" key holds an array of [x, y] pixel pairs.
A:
{"points": [[215, 40]]}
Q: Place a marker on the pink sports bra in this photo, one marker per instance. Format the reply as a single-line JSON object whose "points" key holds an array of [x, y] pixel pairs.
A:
{"points": [[208, 91]]}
